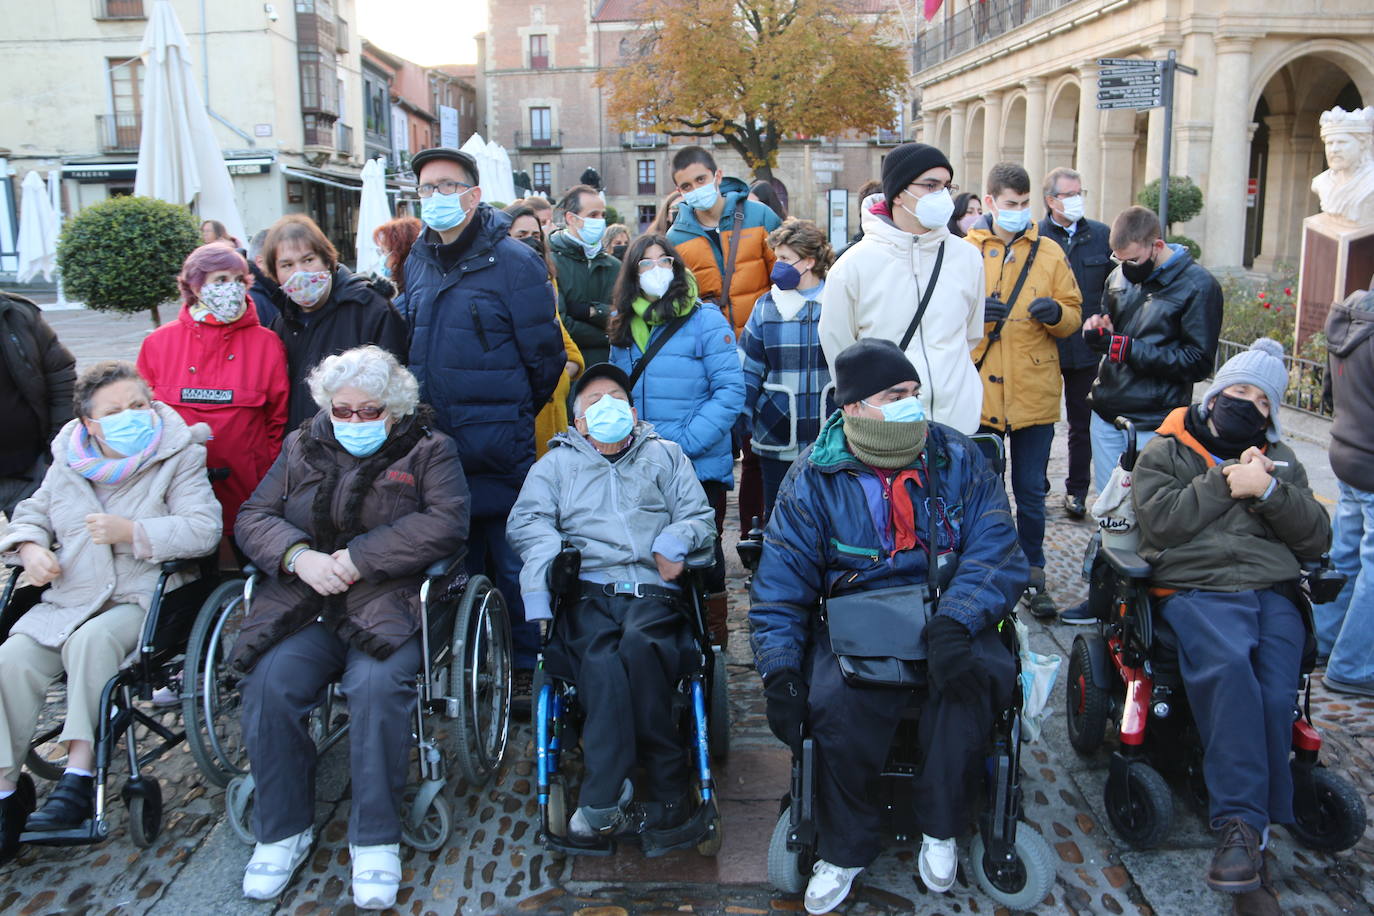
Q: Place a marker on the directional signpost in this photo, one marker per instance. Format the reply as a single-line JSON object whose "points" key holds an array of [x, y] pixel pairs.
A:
{"points": [[1125, 82]]}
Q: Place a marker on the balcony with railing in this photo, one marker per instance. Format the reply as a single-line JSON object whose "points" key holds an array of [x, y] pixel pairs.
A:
{"points": [[551, 140], [118, 9], [119, 133], [643, 139], [973, 25], [886, 137]]}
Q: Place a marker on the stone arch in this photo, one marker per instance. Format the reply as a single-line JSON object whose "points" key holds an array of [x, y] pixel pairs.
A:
{"points": [[943, 126], [974, 127], [1013, 127], [1061, 127], [1356, 61]]}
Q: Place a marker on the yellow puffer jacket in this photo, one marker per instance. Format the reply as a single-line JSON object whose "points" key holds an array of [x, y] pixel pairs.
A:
{"points": [[1021, 381], [553, 419]]}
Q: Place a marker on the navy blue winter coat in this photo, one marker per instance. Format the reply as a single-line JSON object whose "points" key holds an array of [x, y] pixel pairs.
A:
{"points": [[1090, 259], [487, 350], [839, 528]]}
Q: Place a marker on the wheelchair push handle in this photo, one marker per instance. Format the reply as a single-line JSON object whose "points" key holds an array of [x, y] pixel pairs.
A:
{"points": [[1127, 457], [750, 549]]}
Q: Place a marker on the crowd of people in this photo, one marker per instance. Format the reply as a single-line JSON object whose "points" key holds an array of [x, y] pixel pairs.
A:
{"points": [[514, 380]]}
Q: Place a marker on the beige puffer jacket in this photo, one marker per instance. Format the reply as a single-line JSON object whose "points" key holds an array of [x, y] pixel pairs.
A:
{"points": [[170, 498]]}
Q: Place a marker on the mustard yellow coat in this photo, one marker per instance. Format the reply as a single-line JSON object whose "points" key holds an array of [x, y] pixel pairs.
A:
{"points": [[1021, 381], [553, 419]]}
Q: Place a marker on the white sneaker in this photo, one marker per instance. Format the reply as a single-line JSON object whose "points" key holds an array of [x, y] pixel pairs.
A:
{"points": [[376, 875], [828, 887], [273, 864], [939, 863]]}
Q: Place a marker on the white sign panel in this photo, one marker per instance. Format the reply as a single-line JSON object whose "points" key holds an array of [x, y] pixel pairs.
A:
{"points": [[448, 126], [838, 205]]}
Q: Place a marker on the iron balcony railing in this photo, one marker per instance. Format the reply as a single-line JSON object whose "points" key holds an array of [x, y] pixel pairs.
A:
{"points": [[973, 25], [119, 133], [1305, 378], [550, 140]]}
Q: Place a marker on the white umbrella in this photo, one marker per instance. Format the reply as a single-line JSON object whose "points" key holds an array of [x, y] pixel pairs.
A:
{"points": [[38, 227], [55, 195], [178, 156], [502, 179], [372, 212], [486, 169]]}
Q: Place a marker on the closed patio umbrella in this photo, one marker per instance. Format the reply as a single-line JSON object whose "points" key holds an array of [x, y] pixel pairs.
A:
{"points": [[179, 159], [38, 228], [373, 210]]}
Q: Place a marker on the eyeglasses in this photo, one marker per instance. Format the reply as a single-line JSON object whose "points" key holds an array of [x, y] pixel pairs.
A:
{"points": [[346, 413], [646, 264], [444, 186], [930, 186], [1065, 195]]}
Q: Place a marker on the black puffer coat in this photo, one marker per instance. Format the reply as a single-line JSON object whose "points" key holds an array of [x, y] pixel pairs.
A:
{"points": [[1349, 388]]}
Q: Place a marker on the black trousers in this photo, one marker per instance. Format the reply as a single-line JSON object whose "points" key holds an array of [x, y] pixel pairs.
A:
{"points": [[625, 655], [716, 493], [1077, 384], [853, 728]]}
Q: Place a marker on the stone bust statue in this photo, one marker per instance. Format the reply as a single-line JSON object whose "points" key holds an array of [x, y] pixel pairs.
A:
{"points": [[1346, 189]]}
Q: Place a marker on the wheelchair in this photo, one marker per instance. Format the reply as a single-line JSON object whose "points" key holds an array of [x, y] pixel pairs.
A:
{"points": [[700, 709], [465, 681], [160, 653], [1128, 671]]}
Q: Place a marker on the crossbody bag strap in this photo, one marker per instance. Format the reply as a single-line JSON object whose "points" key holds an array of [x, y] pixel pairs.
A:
{"points": [[932, 545], [925, 298], [657, 344], [996, 334], [731, 255]]}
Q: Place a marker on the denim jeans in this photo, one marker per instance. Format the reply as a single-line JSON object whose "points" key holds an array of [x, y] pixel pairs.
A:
{"points": [[1108, 445], [1030, 455], [1345, 627], [773, 473]]}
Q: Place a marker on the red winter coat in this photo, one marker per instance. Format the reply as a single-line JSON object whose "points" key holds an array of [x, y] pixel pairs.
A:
{"points": [[233, 378]]}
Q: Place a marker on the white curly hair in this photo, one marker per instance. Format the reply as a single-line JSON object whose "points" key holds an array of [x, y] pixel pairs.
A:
{"points": [[370, 369]]}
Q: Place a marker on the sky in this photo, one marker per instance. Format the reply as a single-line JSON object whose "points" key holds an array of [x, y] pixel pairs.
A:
{"points": [[428, 32]]}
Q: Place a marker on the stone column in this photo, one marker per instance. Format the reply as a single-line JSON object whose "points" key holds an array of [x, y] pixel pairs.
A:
{"points": [[1089, 153], [955, 153], [1230, 159], [992, 133], [1118, 168], [1034, 156]]}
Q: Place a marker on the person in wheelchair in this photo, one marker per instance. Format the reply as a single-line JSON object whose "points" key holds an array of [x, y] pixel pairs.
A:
{"points": [[854, 521], [127, 490], [631, 503], [1225, 513], [358, 504]]}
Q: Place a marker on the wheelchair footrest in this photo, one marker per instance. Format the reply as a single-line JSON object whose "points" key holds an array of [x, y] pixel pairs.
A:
{"points": [[690, 832], [88, 833], [572, 846]]}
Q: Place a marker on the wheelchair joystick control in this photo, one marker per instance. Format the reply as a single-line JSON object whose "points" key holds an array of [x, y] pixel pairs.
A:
{"points": [[750, 549]]}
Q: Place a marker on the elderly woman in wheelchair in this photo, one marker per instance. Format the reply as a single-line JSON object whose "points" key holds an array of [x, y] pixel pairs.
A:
{"points": [[361, 500], [1225, 514], [629, 503], [127, 490]]}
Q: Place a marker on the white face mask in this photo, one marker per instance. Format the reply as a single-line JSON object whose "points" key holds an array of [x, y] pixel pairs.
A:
{"points": [[655, 282], [1073, 208], [933, 210]]}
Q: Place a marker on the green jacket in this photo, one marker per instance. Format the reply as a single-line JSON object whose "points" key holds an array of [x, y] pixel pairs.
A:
{"points": [[1197, 536], [584, 283]]}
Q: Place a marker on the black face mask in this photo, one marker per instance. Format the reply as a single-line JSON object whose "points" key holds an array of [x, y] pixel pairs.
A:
{"points": [[619, 251], [1137, 273], [536, 242], [1238, 420]]}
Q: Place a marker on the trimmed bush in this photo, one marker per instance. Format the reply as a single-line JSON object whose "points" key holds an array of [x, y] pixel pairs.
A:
{"points": [[124, 254], [1185, 198], [1193, 247]]}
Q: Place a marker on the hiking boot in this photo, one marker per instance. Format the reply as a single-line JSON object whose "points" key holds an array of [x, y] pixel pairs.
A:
{"points": [[1074, 506], [70, 804], [1041, 605], [1262, 902], [14, 811], [667, 815], [1237, 863]]}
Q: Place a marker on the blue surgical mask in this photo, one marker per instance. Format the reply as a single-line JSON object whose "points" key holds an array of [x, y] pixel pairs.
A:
{"points": [[785, 276], [592, 230], [655, 282], [1013, 221], [127, 432], [443, 211], [702, 198], [363, 438], [907, 410], [609, 420]]}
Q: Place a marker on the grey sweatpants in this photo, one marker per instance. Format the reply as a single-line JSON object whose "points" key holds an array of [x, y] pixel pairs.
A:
{"points": [[286, 684]]}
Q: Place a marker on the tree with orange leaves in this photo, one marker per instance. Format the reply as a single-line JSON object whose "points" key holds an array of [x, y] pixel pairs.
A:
{"points": [[754, 72]]}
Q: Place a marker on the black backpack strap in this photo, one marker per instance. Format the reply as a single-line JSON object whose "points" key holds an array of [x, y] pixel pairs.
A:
{"points": [[657, 344], [996, 334], [925, 298]]}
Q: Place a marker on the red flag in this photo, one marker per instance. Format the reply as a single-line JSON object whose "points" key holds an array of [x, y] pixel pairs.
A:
{"points": [[932, 7]]}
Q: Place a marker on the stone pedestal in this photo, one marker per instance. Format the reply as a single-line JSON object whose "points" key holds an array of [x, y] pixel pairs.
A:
{"points": [[1337, 259]]}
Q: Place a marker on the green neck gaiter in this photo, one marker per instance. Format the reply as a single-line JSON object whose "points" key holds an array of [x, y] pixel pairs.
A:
{"points": [[884, 444]]}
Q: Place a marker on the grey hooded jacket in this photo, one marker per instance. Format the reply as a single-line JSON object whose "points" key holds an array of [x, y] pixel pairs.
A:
{"points": [[618, 514]]}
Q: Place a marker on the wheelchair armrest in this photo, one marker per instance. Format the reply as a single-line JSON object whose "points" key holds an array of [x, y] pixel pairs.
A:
{"points": [[172, 567], [1127, 562], [444, 568], [701, 558]]}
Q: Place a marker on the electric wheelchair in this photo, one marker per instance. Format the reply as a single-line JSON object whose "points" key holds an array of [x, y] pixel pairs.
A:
{"points": [[700, 708], [462, 706], [182, 587], [1128, 671]]}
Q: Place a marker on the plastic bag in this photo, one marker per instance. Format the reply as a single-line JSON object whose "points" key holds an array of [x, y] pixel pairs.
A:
{"points": [[1038, 674]]}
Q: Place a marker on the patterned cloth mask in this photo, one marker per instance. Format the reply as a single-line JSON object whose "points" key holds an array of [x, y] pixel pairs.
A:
{"points": [[223, 302], [307, 287]]}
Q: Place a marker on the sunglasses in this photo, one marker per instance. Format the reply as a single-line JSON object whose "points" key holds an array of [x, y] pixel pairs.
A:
{"points": [[366, 413]]}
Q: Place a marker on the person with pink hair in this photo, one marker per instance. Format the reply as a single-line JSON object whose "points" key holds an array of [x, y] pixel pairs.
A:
{"points": [[216, 364]]}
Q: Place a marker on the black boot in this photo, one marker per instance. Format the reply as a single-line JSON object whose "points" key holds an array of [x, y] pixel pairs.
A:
{"points": [[69, 804], [667, 815], [14, 811]]}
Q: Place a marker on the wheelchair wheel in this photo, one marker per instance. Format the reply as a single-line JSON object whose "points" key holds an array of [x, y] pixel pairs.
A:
{"points": [[1089, 706], [480, 680], [718, 715], [44, 767], [238, 807], [144, 801], [558, 808], [1027, 881], [210, 700], [1140, 805], [1338, 822], [786, 870], [429, 829]]}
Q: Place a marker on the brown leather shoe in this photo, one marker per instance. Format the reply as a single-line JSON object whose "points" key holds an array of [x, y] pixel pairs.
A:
{"points": [[717, 612], [1238, 861], [1263, 902]]}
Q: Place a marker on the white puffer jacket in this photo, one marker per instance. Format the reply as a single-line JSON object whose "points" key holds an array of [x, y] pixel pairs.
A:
{"points": [[873, 291]]}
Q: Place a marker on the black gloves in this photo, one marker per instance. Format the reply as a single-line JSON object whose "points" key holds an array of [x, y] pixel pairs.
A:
{"points": [[579, 310], [1097, 339], [950, 662], [1045, 310], [785, 692], [995, 309]]}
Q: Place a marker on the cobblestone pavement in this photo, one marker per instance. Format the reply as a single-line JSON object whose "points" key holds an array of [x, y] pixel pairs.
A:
{"points": [[493, 863]]}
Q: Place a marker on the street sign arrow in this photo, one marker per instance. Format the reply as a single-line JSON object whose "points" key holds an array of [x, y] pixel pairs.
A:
{"points": [[1146, 80], [1128, 71], [1127, 62], [1130, 103], [1109, 94]]}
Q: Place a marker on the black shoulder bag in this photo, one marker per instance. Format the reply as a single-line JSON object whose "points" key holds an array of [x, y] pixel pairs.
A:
{"points": [[657, 344], [925, 299], [878, 636], [996, 334]]}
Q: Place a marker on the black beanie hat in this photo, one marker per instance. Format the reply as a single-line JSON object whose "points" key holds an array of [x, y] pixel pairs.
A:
{"points": [[905, 163], [869, 366]]}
